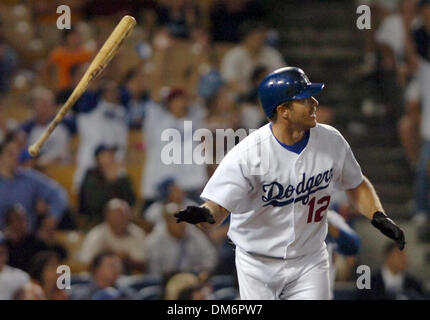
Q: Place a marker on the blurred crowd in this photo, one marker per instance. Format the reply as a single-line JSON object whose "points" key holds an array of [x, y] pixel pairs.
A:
{"points": [[398, 63], [99, 199]]}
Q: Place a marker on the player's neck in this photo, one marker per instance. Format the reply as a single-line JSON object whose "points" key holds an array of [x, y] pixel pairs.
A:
{"points": [[287, 135]]}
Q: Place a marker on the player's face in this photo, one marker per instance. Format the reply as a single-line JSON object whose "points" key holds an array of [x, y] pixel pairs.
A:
{"points": [[303, 113]]}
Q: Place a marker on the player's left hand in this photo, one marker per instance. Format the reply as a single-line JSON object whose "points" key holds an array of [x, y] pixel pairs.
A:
{"points": [[389, 228], [194, 215]]}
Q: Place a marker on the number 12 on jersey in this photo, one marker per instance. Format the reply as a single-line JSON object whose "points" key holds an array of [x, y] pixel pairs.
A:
{"points": [[324, 202]]}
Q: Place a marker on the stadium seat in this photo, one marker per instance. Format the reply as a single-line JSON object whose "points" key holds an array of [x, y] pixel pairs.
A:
{"points": [[138, 282], [150, 293], [222, 281], [225, 294], [80, 279], [63, 174], [107, 294], [345, 294]]}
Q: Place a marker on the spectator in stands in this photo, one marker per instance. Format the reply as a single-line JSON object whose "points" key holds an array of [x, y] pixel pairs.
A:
{"points": [[117, 234], [393, 41], [30, 291], [26, 160], [27, 187], [341, 239], [209, 84], [3, 122], [180, 286], [179, 16], [57, 148], [101, 119], [252, 116], [43, 272], [66, 56], [409, 124], [223, 112], [24, 245], [257, 75], [226, 255], [175, 247], [45, 235], [170, 195], [135, 95], [11, 279], [392, 37], [193, 293], [106, 268], [226, 17], [392, 281], [421, 36], [8, 62], [239, 62], [106, 181], [162, 123]]}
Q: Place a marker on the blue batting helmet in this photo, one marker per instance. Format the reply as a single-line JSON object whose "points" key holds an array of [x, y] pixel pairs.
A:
{"points": [[285, 84]]}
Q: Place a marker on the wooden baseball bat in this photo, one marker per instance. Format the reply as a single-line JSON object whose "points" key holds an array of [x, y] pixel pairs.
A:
{"points": [[100, 61]]}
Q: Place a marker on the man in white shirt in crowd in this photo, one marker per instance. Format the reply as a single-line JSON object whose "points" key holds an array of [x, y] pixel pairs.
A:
{"points": [[392, 281], [166, 128], [239, 62], [421, 37], [175, 247], [101, 121], [393, 32], [57, 147], [11, 279], [169, 194], [117, 234]]}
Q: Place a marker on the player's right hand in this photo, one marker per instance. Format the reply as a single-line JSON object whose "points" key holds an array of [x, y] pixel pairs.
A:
{"points": [[194, 215]]}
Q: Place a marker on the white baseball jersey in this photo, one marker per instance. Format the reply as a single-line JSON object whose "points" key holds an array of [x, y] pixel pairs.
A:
{"points": [[277, 198]]}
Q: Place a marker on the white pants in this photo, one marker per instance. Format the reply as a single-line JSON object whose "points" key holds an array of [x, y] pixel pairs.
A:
{"points": [[303, 278]]}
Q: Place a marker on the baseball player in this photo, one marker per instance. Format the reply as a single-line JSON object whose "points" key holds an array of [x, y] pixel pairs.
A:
{"points": [[277, 183]]}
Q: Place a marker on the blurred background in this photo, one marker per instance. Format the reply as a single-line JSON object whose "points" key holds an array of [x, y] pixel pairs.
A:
{"points": [[99, 200]]}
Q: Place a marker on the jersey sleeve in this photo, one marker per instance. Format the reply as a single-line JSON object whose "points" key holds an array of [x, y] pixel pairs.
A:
{"points": [[230, 185], [350, 171]]}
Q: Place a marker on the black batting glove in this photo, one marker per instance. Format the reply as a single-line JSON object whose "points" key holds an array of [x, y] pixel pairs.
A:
{"points": [[194, 215], [389, 228]]}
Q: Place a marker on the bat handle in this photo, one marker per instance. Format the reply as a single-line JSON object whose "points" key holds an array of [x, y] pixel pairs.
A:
{"points": [[34, 149]]}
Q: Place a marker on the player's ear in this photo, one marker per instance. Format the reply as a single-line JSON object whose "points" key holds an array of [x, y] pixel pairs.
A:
{"points": [[283, 111]]}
